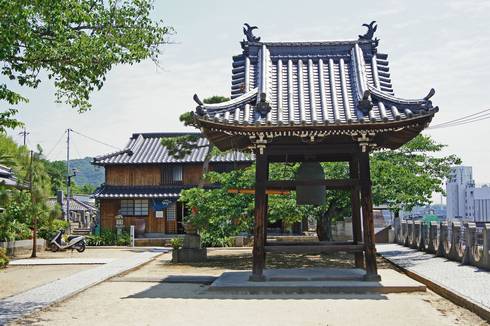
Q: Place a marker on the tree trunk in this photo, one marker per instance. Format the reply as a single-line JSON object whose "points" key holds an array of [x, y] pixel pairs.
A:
{"points": [[205, 166], [324, 227]]}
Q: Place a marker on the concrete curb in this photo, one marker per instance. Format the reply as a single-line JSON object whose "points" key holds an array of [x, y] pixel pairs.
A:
{"points": [[452, 296]]}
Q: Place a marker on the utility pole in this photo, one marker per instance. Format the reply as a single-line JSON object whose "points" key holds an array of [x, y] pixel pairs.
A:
{"points": [[68, 178], [34, 217], [24, 133]]}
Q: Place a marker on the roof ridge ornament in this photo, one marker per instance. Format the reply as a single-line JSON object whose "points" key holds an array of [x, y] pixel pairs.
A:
{"points": [[200, 104], [248, 31], [262, 108], [365, 104], [370, 32]]}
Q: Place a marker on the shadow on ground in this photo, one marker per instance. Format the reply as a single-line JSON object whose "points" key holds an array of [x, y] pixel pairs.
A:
{"points": [[273, 261], [193, 291]]}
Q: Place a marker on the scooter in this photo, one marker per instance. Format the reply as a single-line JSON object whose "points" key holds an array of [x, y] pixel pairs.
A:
{"points": [[74, 242]]}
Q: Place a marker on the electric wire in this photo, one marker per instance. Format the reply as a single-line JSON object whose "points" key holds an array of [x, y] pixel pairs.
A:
{"points": [[462, 123], [56, 145], [95, 140], [474, 117]]}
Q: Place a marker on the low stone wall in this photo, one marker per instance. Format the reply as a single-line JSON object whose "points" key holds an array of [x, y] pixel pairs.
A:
{"points": [[22, 247], [465, 243], [342, 230]]}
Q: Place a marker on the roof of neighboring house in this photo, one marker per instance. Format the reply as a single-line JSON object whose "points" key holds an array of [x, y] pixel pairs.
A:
{"points": [[146, 148], [331, 85], [118, 192], [75, 205], [7, 176]]}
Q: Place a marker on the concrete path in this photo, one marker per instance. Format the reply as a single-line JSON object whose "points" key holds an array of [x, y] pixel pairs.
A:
{"points": [[469, 282], [21, 304], [60, 261]]}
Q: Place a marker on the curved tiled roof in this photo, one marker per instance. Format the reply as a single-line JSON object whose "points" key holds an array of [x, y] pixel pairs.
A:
{"points": [[146, 148], [117, 192], [313, 83]]}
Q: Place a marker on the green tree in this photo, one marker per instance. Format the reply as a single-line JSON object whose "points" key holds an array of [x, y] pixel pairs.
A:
{"points": [[181, 146], [408, 176], [73, 43], [402, 178], [22, 205]]}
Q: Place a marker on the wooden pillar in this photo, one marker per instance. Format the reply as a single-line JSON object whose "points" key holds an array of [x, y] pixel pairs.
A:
{"points": [[261, 176], [367, 218], [356, 212]]}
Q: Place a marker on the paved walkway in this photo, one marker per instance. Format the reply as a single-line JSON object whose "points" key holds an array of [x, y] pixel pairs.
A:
{"points": [[24, 303], [60, 261], [469, 282]]}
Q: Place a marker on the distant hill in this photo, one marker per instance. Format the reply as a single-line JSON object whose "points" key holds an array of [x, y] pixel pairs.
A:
{"points": [[87, 173]]}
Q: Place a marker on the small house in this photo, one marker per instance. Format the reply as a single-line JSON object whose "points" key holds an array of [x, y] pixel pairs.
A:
{"points": [[143, 182]]}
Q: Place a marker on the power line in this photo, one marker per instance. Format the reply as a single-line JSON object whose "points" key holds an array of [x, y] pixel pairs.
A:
{"points": [[462, 123], [95, 140], [478, 116], [56, 145]]}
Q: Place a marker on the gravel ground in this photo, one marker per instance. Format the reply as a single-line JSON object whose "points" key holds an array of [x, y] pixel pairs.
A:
{"points": [[112, 303]]}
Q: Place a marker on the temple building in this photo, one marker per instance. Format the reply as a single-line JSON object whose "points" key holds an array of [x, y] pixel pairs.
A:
{"points": [[313, 102]]}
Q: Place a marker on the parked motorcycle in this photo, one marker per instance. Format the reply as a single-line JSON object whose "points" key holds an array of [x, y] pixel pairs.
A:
{"points": [[74, 242]]}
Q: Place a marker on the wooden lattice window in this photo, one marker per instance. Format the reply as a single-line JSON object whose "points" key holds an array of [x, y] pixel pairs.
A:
{"points": [[172, 174], [134, 207], [171, 212]]}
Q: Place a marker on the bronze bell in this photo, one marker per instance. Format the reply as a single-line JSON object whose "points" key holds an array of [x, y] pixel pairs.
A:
{"points": [[310, 194]]}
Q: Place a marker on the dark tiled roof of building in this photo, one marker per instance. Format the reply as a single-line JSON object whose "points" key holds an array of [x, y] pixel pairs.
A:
{"points": [[75, 205], [146, 148], [335, 83], [7, 176], [117, 192]]}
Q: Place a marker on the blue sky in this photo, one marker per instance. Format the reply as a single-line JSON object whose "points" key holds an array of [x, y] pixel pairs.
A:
{"points": [[440, 44]]}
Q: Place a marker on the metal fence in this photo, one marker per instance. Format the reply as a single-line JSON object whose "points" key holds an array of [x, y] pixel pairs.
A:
{"points": [[462, 242]]}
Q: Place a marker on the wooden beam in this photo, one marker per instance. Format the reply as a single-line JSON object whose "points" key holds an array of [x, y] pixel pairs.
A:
{"points": [[356, 211], [310, 243], [314, 248], [367, 218], [258, 252], [251, 191], [329, 184], [312, 149]]}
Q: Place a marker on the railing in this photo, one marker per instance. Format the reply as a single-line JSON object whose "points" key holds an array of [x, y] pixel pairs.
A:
{"points": [[462, 242]]}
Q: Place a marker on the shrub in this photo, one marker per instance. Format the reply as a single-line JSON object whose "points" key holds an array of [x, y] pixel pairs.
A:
{"points": [[124, 239], [49, 231], [109, 238], [13, 230], [94, 240], [209, 239], [4, 260], [177, 243]]}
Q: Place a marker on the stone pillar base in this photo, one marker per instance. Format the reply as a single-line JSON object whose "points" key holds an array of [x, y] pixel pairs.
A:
{"points": [[185, 255]]}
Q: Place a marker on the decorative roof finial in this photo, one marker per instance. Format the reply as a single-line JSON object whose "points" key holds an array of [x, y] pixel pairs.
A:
{"points": [[370, 32], [248, 31], [262, 108], [200, 104]]}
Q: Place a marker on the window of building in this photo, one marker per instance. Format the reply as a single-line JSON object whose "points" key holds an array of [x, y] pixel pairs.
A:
{"points": [[126, 207], [134, 207], [171, 212], [140, 207], [172, 174]]}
